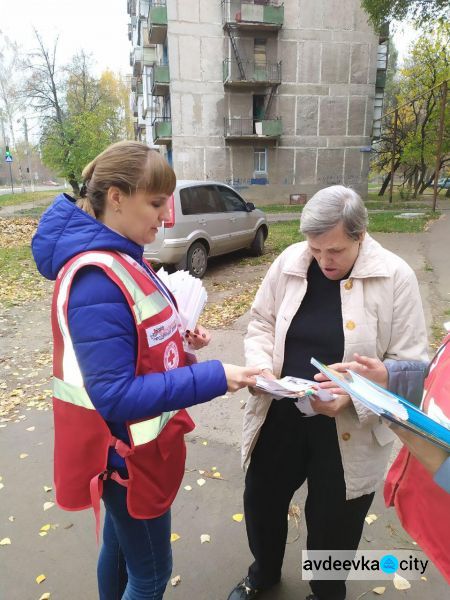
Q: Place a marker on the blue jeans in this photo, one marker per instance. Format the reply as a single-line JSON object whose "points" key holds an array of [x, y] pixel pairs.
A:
{"points": [[135, 561]]}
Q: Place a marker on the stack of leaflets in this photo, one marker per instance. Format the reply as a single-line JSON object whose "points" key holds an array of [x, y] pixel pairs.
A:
{"points": [[302, 390], [388, 405], [189, 293]]}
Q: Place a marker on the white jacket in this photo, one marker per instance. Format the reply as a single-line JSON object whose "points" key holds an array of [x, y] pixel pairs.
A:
{"points": [[382, 316]]}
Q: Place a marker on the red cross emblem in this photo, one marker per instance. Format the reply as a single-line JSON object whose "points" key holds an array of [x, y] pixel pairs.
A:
{"points": [[171, 356]]}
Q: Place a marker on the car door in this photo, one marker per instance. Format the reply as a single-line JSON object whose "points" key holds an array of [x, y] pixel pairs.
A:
{"points": [[203, 215], [242, 222]]}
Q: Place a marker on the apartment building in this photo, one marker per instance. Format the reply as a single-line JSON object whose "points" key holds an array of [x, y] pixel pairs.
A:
{"points": [[277, 99]]}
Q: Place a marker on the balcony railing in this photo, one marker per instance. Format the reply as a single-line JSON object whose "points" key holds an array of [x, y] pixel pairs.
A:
{"points": [[157, 22], [246, 128], [160, 78], [162, 130], [253, 14], [255, 74]]}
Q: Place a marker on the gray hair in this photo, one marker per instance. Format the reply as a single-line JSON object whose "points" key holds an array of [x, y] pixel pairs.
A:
{"points": [[333, 205]]}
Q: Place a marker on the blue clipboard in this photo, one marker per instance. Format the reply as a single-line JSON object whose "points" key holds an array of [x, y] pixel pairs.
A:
{"points": [[390, 406]]}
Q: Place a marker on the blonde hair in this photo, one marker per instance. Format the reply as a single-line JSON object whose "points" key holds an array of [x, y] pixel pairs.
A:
{"points": [[129, 166]]}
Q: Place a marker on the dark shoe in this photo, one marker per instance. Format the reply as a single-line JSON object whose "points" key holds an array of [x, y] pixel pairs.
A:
{"points": [[244, 591]]}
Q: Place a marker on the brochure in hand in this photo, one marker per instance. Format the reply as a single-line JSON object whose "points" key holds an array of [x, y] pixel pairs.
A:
{"points": [[294, 387], [388, 405], [189, 293]]}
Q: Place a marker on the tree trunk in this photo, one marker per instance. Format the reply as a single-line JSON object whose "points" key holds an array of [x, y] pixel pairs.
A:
{"points": [[384, 184], [75, 187]]}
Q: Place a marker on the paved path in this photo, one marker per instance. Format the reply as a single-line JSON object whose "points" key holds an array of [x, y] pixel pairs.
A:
{"points": [[67, 555]]}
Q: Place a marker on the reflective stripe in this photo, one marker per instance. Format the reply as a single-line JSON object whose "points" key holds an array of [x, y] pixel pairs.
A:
{"points": [[71, 393], [147, 431], [149, 306]]}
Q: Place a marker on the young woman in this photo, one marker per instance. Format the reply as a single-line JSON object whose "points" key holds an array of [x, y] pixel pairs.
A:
{"points": [[121, 375]]}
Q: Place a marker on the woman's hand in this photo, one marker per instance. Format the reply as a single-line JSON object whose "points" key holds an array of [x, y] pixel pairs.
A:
{"points": [[430, 455], [371, 368], [332, 407], [240, 377], [199, 338], [267, 373]]}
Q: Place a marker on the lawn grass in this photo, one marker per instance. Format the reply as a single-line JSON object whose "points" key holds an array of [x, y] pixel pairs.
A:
{"points": [[386, 222], [22, 197], [281, 208]]}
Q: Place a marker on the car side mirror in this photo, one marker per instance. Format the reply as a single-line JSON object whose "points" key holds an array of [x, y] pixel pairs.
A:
{"points": [[250, 206]]}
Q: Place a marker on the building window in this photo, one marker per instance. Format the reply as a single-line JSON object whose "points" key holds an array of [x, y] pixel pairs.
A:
{"points": [[260, 158]]}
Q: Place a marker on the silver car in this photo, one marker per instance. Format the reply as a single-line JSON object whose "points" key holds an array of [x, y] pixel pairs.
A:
{"points": [[208, 218]]}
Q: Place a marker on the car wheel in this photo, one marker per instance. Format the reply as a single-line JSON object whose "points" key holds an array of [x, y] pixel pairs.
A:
{"points": [[257, 246], [197, 259]]}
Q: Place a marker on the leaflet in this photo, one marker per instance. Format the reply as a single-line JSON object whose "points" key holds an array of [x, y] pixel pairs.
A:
{"points": [[189, 293], [303, 390], [388, 405]]}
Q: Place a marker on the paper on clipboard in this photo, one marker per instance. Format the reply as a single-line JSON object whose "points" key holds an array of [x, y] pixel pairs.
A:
{"points": [[388, 405]]}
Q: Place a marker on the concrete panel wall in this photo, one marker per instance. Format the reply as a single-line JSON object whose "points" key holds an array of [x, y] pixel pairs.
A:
{"points": [[333, 115], [335, 62], [328, 53], [307, 115], [189, 11]]}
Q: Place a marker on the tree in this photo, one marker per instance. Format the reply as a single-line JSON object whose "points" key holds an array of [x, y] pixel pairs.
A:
{"points": [[81, 114], [416, 93], [10, 96], [419, 11]]}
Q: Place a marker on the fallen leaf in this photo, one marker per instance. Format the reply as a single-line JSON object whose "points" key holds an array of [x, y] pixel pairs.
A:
{"points": [[238, 517], [40, 578], [47, 488], [217, 475], [188, 488], [45, 527], [45, 596], [31, 428], [370, 519], [213, 468], [23, 455], [205, 443], [175, 580], [12, 519], [423, 578], [400, 583], [5, 542], [2, 485], [205, 537], [48, 505], [174, 537], [201, 482], [201, 472], [43, 533], [379, 590]]}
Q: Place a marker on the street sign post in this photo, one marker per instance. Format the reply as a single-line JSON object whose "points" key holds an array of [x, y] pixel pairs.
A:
{"points": [[9, 160]]}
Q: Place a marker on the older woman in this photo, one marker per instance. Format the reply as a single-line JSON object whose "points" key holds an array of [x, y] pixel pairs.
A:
{"points": [[337, 293]]}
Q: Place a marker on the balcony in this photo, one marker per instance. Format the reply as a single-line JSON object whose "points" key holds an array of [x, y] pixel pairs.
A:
{"points": [[162, 130], [160, 78], [157, 22], [238, 128], [255, 75], [141, 56], [267, 15]]}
